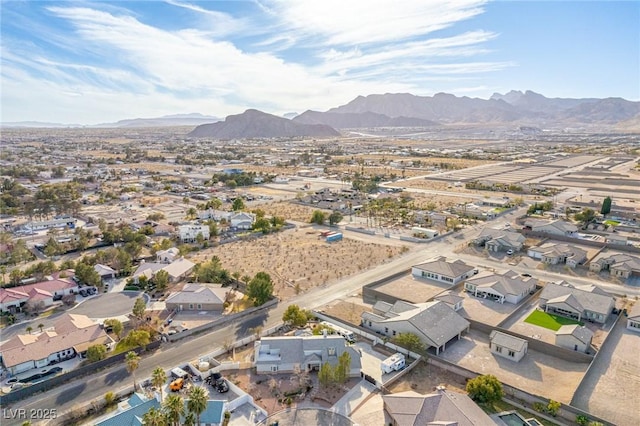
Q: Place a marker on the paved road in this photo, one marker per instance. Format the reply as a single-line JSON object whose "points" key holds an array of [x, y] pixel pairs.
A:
{"points": [[76, 394]]}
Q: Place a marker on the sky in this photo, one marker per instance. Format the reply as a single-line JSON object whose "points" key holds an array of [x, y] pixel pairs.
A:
{"points": [[85, 62]]}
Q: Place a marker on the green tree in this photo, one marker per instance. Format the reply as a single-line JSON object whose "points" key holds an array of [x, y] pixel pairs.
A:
{"points": [[29, 329], [197, 401], [295, 316], [260, 288], [116, 326], [40, 326], [325, 375], [158, 379], [409, 341], [237, 204], [174, 408], [137, 338], [335, 218], [139, 307], [263, 225], [132, 361], [161, 279], [553, 407], [318, 217], [606, 206], [154, 417], [586, 216], [87, 274], [109, 398], [341, 371], [96, 353], [485, 389]]}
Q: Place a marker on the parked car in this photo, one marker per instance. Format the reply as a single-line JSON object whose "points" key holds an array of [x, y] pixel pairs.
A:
{"points": [[177, 384], [509, 252], [526, 275]]}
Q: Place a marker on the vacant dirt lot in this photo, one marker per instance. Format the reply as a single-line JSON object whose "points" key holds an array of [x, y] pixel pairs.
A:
{"points": [[414, 290], [425, 378], [347, 311], [290, 211], [297, 260], [614, 380]]}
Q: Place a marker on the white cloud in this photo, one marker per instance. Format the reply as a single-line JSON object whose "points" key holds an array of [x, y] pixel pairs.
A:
{"points": [[359, 22], [134, 69]]}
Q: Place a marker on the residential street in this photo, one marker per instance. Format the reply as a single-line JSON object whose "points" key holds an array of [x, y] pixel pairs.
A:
{"points": [[78, 393]]}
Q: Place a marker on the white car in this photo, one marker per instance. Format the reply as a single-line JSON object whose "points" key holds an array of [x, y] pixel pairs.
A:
{"points": [[509, 252]]}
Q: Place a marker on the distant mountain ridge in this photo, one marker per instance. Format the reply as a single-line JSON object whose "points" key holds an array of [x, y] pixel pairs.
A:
{"points": [[193, 119], [257, 124], [351, 120], [528, 107]]}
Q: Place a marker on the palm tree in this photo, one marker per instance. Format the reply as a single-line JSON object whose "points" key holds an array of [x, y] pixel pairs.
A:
{"points": [[197, 402], [40, 326], [158, 378], [189, 420], [133, 361], [246, 279], [236, 276], [29, 329], [174, 409], [154, 417]]}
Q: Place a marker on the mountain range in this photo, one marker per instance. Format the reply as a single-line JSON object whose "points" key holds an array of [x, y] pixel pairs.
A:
{"points": [[257, 124], [193, 119]]}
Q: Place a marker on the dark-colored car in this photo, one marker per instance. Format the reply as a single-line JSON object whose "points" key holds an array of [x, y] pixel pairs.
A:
{"points": [[526, 275]]}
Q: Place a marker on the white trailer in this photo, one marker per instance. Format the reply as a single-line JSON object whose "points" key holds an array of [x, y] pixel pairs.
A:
{"points": [[395, 362], [424, 232], [348, 335]]}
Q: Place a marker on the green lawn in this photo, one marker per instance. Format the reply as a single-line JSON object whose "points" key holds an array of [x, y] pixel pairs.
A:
{"points": [[550, 321], [611, 222]]}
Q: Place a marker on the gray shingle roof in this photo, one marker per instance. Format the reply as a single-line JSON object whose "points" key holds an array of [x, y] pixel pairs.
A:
{"points": [[440, 265], [593, 302], [506, 283], [581, 333], [507, 341]]}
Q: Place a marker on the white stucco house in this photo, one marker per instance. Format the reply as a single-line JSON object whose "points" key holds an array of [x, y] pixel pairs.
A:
{"points": [[189, 233], [508, 346], [574, 337], [443, 270]]}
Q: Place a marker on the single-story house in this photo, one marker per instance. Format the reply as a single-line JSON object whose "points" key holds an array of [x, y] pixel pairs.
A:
{"points": [[71, 335], [106, 272], [555, 254], [199, 297], [189, 233], [291, 353], [410, 408], [13, 299], [434, 322], [443, 270], [508, 287], [168, 255], [508, 346], [158, 228], [633, 318], [216, 215], [177, 270], [130, 412], [574, 337], [570, 301], [453, 300], [553, 227], [499, 240], [242, 220]]}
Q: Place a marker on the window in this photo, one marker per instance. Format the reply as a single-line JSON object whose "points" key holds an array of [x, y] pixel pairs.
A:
{"points": [[369, 323], [274, 368], [512, 354], [499, 349], [190, 305], [386, 330], [199, 306], [394, 332], [331, 351]]}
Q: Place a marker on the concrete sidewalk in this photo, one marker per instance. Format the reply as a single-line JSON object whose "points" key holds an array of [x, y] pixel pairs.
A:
{"points": [[352, 399]]}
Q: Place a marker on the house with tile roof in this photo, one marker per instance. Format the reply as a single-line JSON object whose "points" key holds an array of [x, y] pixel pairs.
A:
{"points": [[500, 240], [554, 227], [435, 323], [13, 299], [71, 335], [575, 337], [556, 254], [177, 270], [576, 303], [443, 270], [441, 408], [508, 287], [619, 265], [507, 346], [199, 297], [291, 353]]}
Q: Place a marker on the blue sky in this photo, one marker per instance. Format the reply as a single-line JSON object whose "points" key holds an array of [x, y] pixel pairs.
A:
{"points": [[90, 62]]}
